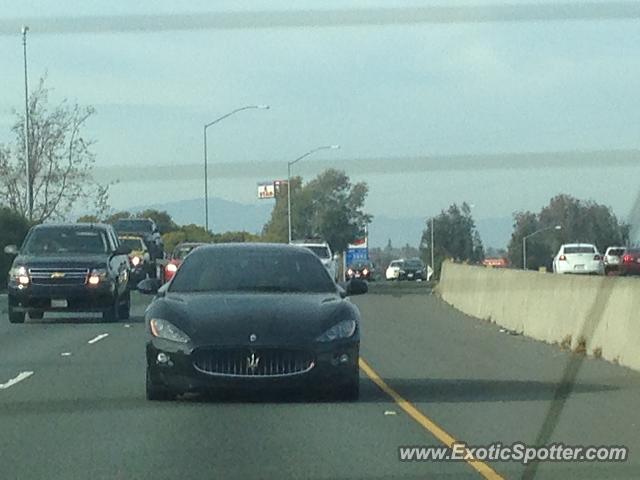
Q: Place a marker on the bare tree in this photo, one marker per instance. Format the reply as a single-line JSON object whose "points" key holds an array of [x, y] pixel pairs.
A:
{"points": [[60, 161]]}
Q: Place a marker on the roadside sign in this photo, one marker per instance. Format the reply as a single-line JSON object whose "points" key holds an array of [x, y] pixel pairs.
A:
{"points": [[358, 251]]}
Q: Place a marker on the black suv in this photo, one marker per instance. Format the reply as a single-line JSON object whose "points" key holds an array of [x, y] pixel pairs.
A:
{"points": [[69, 268]]}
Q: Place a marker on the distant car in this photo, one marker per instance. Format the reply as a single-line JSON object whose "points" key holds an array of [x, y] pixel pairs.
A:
{"points": [[364, 270], [578, 258], [630, 264], [145, 227], [76, 267], [138, 257], [413, 269], [612, 259], [254, 317], [394, 269], [177, 257], [323, 252]]}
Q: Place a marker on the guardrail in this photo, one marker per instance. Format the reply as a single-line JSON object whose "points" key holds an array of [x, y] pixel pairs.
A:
{"points": [[597, 315]]}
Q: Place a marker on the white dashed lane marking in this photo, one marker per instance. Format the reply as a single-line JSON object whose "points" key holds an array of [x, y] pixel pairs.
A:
{"points": [[98, 338], [21, 376]]}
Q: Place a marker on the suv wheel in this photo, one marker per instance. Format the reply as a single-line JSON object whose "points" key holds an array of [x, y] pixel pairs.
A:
{"points": [[111, 313], [124, 309], [15, 317]]}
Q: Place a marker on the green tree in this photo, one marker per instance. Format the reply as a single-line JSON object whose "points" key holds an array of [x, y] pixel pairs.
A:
{"points": [[13, 228], [60, 161], [455, 237], [581, 221], [88, 219], [328, 207], [114, 217], [162, 219]]}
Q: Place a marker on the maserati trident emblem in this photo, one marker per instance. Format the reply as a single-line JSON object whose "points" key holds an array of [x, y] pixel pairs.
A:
{"points": [[253, 361], [253, 337], [57, 275]]}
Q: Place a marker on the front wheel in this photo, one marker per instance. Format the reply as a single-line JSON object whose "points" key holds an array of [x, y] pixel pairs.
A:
{"points": [[111, 314], [15, 317]]}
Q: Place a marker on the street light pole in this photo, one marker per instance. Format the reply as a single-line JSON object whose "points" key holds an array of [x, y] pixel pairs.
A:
{"points": [[432, 251], [206, 177], [289, 165], [25, 29], [524, 242]]}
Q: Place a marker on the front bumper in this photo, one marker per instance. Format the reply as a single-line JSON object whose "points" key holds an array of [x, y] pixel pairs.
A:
{"points": [[79, 298], [180, 375]]}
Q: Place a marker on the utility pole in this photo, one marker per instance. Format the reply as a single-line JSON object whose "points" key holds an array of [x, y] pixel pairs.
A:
{"points": [[25, 29]]}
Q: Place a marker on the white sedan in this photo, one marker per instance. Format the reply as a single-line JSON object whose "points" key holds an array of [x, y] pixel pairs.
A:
{"points": [[394, 269], [582, 258]]}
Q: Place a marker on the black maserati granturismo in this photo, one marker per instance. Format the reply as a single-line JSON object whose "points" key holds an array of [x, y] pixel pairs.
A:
{"points": [[252, 316]]}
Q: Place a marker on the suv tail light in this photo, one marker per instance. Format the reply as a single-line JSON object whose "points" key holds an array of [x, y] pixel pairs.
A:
{"points": [[562, 258], [596, 257], [627, 259]]}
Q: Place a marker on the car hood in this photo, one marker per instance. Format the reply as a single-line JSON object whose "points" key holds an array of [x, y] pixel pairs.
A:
{"points": [[230, 318], [61, 261]]}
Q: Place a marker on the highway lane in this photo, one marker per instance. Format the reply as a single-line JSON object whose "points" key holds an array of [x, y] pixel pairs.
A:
{"points": [[84, 415]]}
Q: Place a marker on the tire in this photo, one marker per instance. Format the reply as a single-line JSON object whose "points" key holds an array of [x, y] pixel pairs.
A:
{"points": [[36, 315], [111, 314], [15, 317], [124, 309], [157, 393]]}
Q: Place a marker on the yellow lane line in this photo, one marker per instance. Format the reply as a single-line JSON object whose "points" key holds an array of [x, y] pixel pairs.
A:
{"points": [[481, 467]]}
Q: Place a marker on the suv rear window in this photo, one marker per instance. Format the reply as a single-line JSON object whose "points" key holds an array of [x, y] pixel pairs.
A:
{"points": [[616, 252], [582, 249], [66, 241]]}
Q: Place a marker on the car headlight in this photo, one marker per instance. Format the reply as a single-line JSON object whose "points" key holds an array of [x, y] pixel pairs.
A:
{"points": [[162, 329], [135, 261], [344, 329], [19, 274], [97, 275]]}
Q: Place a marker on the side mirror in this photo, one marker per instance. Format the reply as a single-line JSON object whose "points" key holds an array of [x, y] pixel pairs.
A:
{"points": [[356, 286], [150, 286], [336, 256], [122, 250], [11, 250]]}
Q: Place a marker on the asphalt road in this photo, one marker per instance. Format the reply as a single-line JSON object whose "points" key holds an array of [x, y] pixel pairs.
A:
{"points": [[82, 414]]}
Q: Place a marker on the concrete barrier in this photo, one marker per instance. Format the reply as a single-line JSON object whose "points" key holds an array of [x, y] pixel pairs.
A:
{"points": [[599, 314]]}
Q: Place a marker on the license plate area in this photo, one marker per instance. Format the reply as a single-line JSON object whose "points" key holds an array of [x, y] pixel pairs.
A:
{"points": [[578, 267], [59, 303]]}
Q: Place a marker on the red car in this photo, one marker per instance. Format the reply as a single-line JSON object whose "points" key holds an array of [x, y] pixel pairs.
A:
{"points": [[176, 259], [630, 264]]}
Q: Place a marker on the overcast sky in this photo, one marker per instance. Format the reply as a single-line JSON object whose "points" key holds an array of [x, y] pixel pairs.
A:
{"points": [[379, 91]]}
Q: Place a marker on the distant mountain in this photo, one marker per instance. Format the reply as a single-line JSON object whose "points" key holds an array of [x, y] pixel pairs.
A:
{"points": [[227, 215]]}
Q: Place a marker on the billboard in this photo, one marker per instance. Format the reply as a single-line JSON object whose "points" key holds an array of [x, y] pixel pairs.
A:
{"points": [[266, 190]]}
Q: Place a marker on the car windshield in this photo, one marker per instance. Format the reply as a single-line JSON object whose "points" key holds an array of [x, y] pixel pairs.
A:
{"points": [[580, 249], [414, 264], [133, 226], [361, 265], [135, 244], [66, 241], [320, 251], [246, 270]]}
